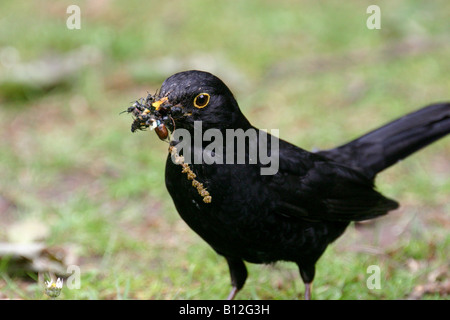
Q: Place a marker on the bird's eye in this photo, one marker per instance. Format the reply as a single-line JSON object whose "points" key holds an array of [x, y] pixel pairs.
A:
{"points": [[201, 100]]}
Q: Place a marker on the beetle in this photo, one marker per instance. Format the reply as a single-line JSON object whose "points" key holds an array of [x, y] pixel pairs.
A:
{"points": [[161, 131]]}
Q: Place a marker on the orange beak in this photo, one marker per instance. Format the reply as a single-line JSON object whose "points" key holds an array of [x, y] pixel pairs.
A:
{"points": [[157, 104]]}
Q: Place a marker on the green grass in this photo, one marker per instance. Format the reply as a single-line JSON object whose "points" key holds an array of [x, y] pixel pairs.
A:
{"points": [[68, 159]]}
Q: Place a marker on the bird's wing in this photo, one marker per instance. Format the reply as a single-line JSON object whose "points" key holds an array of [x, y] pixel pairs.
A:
{"points": [[313, 188]]}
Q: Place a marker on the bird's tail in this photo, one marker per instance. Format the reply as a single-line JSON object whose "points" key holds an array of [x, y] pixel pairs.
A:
{"points": [[383, 147]]}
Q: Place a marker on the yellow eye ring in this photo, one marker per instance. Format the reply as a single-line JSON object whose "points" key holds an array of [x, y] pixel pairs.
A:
{"points": [[201, 100]]}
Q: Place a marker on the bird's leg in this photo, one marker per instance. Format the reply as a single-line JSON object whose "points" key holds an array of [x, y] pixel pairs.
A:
{"points": [[233, 293], [238, 273], [307, 273], [308, 287]]}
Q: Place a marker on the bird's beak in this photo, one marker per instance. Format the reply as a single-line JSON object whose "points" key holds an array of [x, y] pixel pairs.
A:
{"points": [[157, 104]]}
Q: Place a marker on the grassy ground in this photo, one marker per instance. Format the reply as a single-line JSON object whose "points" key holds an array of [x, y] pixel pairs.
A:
{"points": [[69, 164]]}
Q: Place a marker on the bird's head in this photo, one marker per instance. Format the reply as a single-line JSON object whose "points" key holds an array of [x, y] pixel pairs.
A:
{"points": [[190, 96]]}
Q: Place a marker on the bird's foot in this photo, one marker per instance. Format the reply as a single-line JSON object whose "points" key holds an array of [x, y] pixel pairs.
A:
{"points": [[233, 293]]}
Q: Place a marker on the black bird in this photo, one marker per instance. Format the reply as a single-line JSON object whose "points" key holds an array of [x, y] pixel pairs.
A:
{"points": [[294, 213]]}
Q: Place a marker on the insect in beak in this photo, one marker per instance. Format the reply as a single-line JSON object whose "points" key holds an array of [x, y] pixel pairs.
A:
{"points": [[157, 104]]}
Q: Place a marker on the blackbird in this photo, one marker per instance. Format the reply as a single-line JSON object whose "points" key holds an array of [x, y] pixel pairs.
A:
{"points": [[290, 213]]}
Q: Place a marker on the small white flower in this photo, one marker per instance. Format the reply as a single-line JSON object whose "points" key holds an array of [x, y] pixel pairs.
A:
{"points": [[53, 289]]}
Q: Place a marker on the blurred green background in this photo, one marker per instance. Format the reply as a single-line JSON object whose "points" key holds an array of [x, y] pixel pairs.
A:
{"points": [[76, 182]]}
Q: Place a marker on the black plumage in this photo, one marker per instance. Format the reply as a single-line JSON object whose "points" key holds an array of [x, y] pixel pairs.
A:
{"points": [[292, 215]]}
